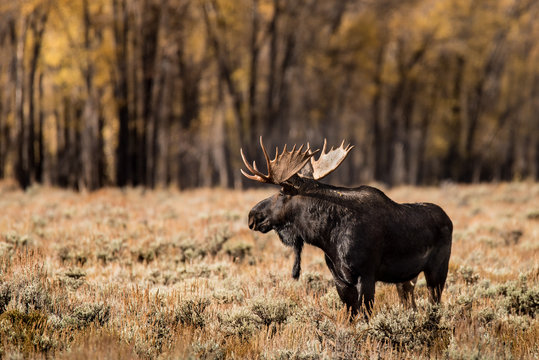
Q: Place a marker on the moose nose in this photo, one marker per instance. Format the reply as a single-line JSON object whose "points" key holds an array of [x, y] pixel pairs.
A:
{"points": [[251, 222]]}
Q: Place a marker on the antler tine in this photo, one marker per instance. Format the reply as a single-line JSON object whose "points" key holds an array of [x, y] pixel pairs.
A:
{"points": [[266, 157], [257, 175], [282, 167], [324, 147], [328, 162]]}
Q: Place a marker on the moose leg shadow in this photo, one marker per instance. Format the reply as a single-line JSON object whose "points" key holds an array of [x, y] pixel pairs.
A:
{"points": [[406, 293]]}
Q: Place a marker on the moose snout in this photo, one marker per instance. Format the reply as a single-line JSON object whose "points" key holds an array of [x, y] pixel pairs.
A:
{"points": [[258, 222], [251, 222]]}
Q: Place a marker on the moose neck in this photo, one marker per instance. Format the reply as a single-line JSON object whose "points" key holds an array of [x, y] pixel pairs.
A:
{"points": [[314, 221], [363, 198]]}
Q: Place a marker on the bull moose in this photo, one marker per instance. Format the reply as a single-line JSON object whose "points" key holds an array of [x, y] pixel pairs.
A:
{"points": [[365, 236]]}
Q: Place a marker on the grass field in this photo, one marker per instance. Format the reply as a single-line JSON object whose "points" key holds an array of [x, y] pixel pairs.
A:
{"points": [[166, 274]]}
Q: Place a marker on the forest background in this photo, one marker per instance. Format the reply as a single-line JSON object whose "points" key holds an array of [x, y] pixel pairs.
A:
{"points": [[165, 92]]}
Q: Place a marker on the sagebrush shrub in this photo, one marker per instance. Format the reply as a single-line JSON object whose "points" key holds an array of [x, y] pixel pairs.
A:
{"points": [[316, 283], [468, 275], [85, 314], [208, 351], [410, 329], [5, 296], [25, 331], [520, 299], [238, 250], [342, 341], [31, 295], [190, 311], [240, 322], [272, 311], [157, 334], [293, 355], [215, 238]]}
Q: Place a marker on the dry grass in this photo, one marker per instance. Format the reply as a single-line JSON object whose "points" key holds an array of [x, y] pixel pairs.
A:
{"points": [[163, 274]]}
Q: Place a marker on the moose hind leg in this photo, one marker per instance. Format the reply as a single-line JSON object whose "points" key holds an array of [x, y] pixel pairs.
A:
{"points": [[436, 275], [406, 293], [365, 288]]}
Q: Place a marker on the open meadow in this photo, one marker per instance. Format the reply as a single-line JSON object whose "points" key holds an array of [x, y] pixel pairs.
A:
{"points": [[128, 274]]}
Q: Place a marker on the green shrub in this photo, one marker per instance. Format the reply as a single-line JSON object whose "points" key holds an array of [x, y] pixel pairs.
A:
{"points": [[18, 240], [27, 332], [72, 255], [5, 296], [31, 296], [342, 341], [72, 278], [228, 296], [110, 251], [86, 314], [151, 336], [316, 283], [406, 328], [190, 312], [208, 351], [519, 299], [238, 250], [147, 254], [468, 275], [215, 237], [486, 315], [533, 215], [239, 322], [272, 311], [294, 355]]}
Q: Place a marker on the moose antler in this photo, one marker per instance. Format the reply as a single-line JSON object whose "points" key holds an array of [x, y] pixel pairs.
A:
{"points": [[282, 167], [327, 162]]}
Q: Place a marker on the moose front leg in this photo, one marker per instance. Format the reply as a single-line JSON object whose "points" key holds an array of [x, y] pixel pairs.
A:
{"points": [[365, 288], [296, 269], [291, 239], [349, 296], [347, 292]]}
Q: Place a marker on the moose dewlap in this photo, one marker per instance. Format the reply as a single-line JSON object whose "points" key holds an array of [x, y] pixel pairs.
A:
{"points": [[365, 236]]}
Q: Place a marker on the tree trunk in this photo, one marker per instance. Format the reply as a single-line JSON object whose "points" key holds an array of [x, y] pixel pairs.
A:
{"points": [[40, 163], [22, 173], [90, 115], [124, 174], [254, 49]]}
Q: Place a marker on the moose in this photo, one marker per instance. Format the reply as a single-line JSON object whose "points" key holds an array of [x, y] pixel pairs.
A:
{"points": [[365, 236]]}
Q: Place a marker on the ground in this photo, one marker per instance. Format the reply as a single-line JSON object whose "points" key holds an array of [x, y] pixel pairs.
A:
{"points": [[166, 274]]}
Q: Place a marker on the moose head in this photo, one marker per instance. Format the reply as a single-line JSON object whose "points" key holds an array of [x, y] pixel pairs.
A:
{"points": [[294, 171]]}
